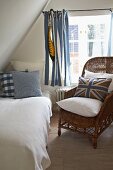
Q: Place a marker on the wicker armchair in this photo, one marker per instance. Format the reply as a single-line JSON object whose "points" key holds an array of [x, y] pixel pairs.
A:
{"points": [[91, 126]]}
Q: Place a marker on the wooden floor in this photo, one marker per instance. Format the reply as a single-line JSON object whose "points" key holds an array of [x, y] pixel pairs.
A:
{"points": [[72, 151]]}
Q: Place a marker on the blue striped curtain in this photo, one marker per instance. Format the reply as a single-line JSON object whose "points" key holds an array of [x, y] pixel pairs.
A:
{"points": [[59, 73], [110, 41]]}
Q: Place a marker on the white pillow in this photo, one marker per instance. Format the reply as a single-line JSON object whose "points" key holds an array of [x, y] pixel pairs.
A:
{"points": [[89, 74], [82, 106], [27, 66], [22, 66]]}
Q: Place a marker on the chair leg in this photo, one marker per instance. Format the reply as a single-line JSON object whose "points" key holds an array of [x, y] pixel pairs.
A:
{"points": [[94, 140], [59, 127]]}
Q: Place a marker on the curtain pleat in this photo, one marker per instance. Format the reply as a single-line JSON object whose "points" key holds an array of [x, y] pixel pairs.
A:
{"points": [[46, 19], [110, 41]]}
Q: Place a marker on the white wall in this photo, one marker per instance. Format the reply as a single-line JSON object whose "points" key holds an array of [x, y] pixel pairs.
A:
{"points": [[32, 48], [16, 17], [80, 4]]}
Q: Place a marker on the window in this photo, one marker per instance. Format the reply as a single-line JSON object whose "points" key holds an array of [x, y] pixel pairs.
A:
{"points": [[88, 37]]}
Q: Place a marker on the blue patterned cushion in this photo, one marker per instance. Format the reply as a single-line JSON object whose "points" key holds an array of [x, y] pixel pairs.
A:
{"points": [[7, 85], [27, 84], [93, 88]]}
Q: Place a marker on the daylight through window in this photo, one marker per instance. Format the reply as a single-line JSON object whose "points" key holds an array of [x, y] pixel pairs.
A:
{"points": [[88, 37]]}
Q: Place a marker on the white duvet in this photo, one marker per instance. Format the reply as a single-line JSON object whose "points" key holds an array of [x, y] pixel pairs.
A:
{"points": [[24, 125]]}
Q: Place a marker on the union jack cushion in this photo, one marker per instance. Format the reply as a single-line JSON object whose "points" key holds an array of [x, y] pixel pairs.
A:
{"points": [[93, 88]]}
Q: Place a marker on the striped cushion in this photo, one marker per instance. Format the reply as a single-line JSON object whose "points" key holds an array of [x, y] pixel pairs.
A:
{"points": [[93, 88], [7, 85]]}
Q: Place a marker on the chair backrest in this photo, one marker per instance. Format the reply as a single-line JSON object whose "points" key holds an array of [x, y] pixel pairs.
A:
{"points": [[99, 65]]}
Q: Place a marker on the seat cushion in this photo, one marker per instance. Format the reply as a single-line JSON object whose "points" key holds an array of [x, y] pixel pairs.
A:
{"points": [[93, 88], [82, 106]]}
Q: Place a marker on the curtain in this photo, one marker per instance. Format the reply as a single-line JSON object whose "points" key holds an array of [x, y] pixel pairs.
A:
{"points": [[110, 41], [106, 49], [57, 59]]}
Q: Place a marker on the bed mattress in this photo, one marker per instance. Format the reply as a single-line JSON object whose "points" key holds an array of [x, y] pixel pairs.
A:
{"points": [[24, 125]]}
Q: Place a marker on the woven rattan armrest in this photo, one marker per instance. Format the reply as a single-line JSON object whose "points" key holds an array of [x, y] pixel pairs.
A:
{"points": [[109, 96], [108, 103], [106, 110], [69, 93]]}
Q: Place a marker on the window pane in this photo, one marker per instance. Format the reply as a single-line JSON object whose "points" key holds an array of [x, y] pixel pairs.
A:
{"points": [[73, 46], [91, 32], [88, 37], [73, 32]]}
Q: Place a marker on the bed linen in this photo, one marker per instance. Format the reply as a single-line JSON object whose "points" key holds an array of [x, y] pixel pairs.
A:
{"points": [[24, 125]]}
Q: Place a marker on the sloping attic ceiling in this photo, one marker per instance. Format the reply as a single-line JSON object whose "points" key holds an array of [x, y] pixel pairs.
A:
{"points": [[16, 18]]}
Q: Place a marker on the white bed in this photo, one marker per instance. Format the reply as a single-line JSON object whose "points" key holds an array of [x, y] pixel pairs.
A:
{"points": [[24, 125]]}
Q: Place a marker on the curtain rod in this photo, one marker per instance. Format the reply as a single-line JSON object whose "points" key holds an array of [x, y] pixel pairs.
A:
{"points": [[72, 10], [104, 9]]}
